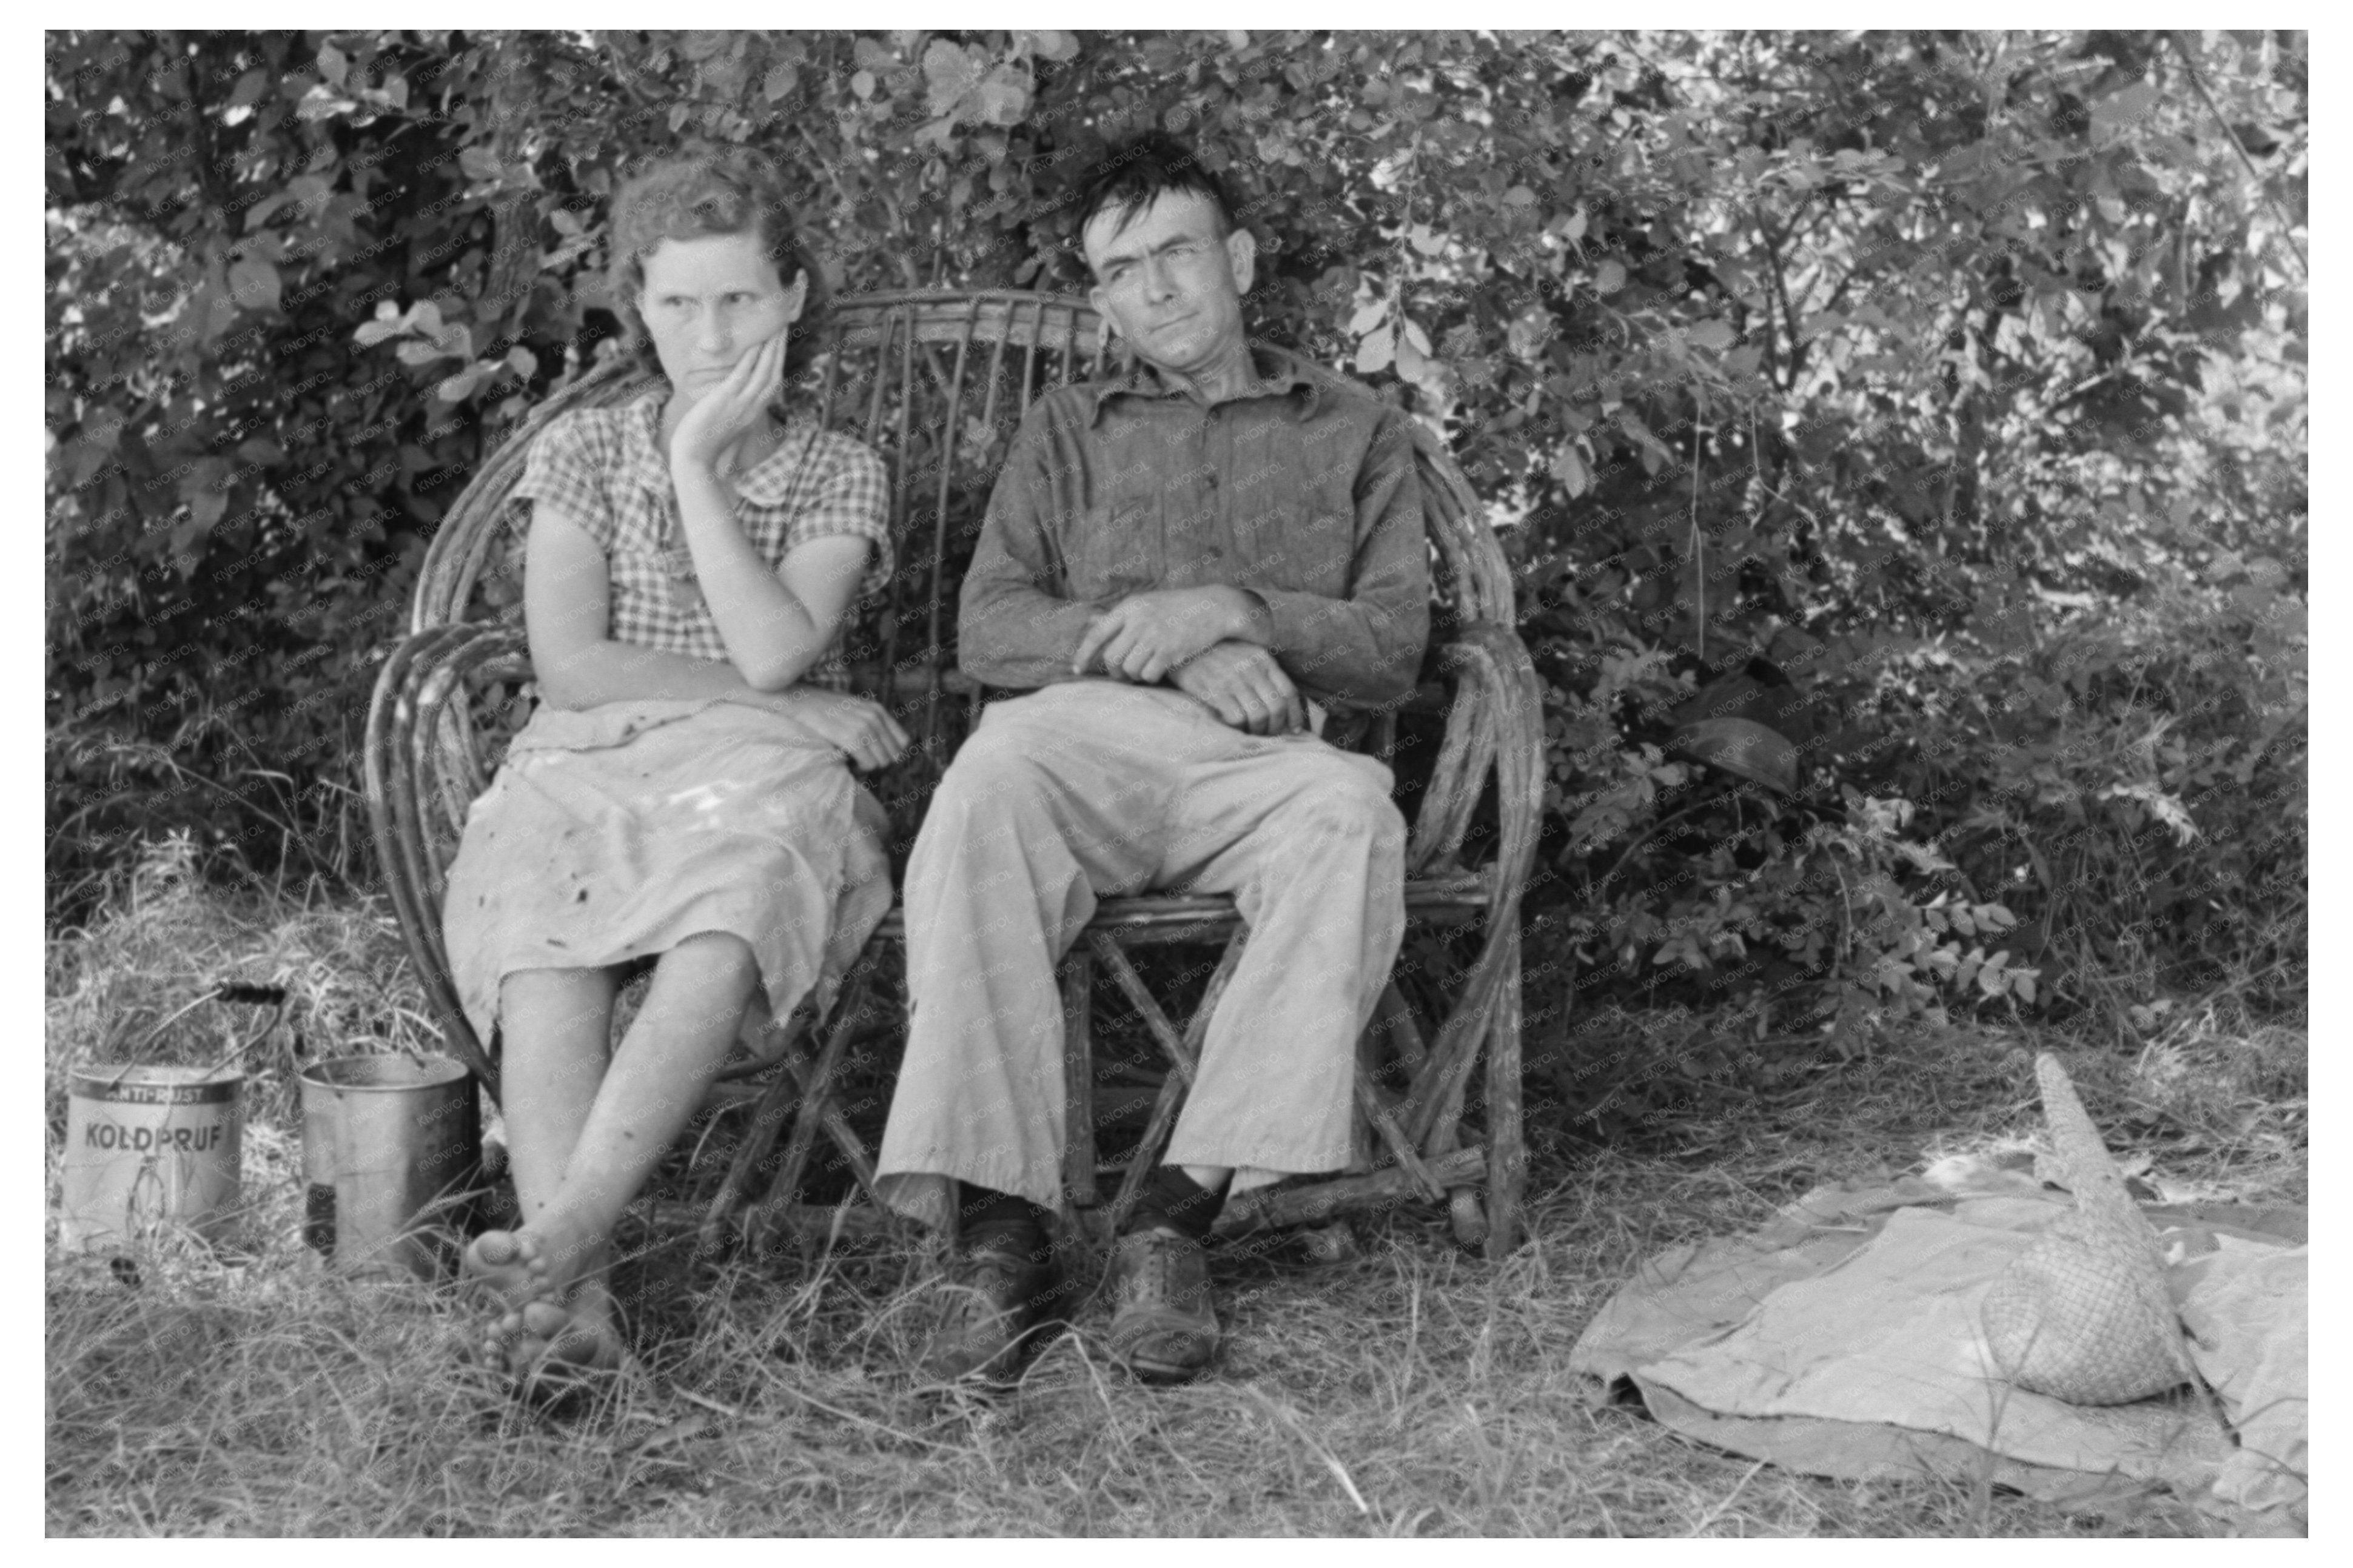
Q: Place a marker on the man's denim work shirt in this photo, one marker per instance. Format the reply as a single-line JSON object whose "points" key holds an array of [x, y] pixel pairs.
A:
{"points": [[1301, 492]]}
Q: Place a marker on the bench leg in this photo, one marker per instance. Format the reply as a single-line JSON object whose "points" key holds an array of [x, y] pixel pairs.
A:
{"points": [[1078, 1082], [1182, 1054], [1507, 1153], [1375, 1111], [1464, 1205], [768, 1118], [819, 1093]]}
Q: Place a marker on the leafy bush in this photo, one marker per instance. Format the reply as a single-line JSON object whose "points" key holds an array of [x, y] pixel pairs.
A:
{"points": [[1956, 379], [2109, 814], [2136, 781]]}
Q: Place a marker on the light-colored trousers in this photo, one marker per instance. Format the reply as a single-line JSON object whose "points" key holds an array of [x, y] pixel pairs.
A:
{"points": [[1097, 788]]}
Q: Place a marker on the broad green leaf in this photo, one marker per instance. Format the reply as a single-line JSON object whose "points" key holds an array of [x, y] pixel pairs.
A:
{"points": [[259, 212], [322, 103], [1568, 468], [2125, 110], [254, 284], [1003, 96], [1050, 45], [950, 71], [206, 508]]}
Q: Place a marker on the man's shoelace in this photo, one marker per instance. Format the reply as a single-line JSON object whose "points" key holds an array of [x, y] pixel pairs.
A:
{"points": [[1152, 1282]]}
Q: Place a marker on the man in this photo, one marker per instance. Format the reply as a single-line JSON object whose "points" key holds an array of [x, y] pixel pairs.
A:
{"points": [[1192, 562]]}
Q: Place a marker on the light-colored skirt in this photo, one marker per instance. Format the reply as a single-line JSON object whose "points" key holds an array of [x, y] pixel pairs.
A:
{"points": [[616, 833]]}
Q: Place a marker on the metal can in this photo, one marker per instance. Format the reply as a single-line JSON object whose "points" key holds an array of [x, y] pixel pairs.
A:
{"points": [[148, 1147]]}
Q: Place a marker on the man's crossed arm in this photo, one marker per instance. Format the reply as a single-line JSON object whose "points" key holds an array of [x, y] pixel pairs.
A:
{"points": [[1209, 642], [1246, 653]]}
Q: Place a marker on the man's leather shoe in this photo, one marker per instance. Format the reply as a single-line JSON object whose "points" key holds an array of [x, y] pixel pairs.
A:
{"points": [[1164, 1327], [993, 1300]]}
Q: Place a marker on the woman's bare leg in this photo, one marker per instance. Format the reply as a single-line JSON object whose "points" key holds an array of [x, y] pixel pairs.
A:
{"points": [[653, 1084], [557, 1025]]}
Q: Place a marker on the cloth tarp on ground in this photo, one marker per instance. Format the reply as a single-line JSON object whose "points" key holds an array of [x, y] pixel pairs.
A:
{"points": [[1843, 1340]]}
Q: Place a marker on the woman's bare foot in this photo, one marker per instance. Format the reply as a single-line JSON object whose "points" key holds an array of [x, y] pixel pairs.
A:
{"points": [[569, 1348], [582, 1329], [532, 1273]]}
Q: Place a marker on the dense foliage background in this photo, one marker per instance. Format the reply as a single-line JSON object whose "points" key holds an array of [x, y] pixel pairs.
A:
{"points": [[1940, 397]]}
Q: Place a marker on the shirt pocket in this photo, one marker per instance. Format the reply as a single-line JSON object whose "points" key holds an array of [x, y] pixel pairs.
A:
{"points": [[1297, 543], [1120, 546]]}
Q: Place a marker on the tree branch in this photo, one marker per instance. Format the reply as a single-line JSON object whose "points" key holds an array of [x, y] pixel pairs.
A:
{"points": [[2262, 189]]}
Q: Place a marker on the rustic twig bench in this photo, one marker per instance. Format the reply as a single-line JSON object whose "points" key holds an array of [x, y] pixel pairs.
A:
{"points": [[937, 383]]}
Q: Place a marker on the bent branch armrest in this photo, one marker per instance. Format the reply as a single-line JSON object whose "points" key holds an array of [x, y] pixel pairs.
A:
{"points": [[421, 762], [1496, 722]]}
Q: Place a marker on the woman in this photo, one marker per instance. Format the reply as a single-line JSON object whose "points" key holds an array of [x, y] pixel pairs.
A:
{"points": [[681, 789]]}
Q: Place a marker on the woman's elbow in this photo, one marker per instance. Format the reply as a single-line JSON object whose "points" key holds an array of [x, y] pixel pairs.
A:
{"points": [[783, 661], [560, 681], [773, 673]]}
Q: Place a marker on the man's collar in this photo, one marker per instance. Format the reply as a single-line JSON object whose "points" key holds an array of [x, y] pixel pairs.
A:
{"points": [[646, 465], [1280, 372]]}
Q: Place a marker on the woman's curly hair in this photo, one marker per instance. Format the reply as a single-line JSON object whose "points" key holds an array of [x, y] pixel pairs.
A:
{"points": [[723, 190]]}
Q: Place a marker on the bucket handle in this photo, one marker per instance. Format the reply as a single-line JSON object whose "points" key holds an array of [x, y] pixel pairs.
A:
{"points": [[222, 991]]}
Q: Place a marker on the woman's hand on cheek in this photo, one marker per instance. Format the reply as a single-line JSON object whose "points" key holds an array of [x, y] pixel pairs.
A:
{"points": [[730, 410]]}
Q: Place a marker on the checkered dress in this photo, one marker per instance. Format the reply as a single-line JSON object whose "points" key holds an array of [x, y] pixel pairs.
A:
{"points": [[605, 468]]}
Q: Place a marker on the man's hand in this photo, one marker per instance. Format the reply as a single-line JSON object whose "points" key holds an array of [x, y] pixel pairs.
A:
{"points": [[1146, 635], [1242, 684], [863, 730]]}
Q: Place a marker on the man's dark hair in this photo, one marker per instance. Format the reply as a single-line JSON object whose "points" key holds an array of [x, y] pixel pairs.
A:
{"points": [[1135, 175]]}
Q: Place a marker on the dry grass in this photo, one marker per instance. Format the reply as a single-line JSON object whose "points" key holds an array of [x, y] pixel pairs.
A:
{"points": [[1411, 1390], [122, 988]]}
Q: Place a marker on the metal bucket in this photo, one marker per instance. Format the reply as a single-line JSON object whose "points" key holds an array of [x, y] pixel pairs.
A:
{"points": [[146, 1147], [317, 1165], [400, 1143]]}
